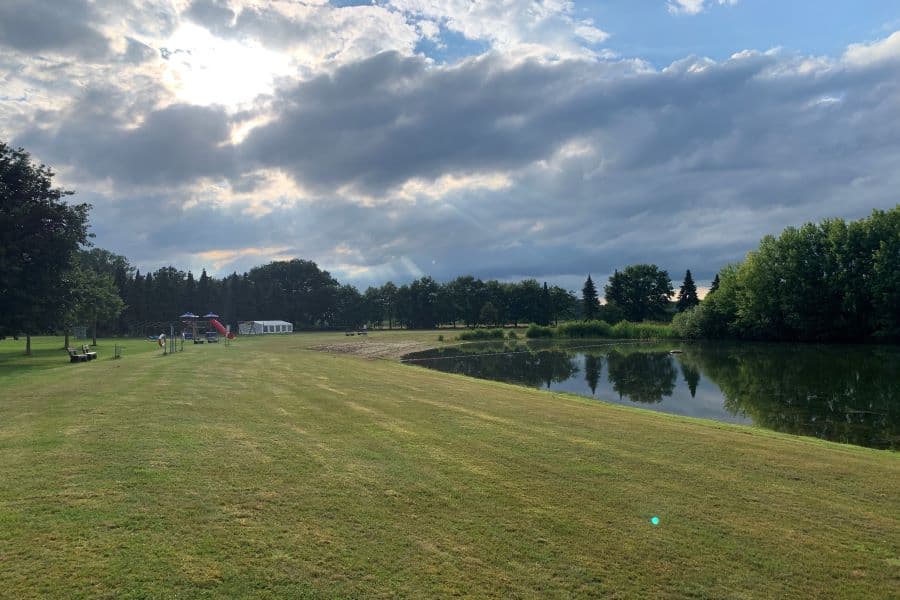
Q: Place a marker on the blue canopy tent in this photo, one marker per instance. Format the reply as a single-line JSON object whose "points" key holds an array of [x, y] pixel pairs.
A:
{"points": [[189, 319]]}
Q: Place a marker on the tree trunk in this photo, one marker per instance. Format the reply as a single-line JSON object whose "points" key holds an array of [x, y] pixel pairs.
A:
{"points": [[66, 345], [27, 344], [94, 339]]}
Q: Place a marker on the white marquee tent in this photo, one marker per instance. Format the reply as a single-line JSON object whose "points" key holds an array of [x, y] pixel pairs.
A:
{"points": [[264, 327]]}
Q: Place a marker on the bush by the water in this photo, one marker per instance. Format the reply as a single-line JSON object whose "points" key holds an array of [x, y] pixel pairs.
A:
{"points": [[642, 331], [602, 329], [539, 331], [482, 334], [585, 329], [691, 323]]}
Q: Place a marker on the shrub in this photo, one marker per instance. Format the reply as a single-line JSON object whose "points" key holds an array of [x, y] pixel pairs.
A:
{"points": [[441, 338], [513, 335], [585, 329], [482, 334], [602, 329], [610, 313], [539, 331], [689, 323], [642, 331]]}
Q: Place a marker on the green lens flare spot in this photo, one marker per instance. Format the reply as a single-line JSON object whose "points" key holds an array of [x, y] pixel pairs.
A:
{"points": [[655, 520]]}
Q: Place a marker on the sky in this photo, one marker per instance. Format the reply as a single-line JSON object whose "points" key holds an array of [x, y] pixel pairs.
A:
{"points": [[391, 139]]}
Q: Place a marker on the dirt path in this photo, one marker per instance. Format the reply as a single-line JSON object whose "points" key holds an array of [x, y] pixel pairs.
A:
{"points": [[373, 349]]}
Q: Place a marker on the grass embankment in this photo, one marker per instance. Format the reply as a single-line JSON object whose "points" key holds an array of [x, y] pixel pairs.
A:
{"points": [[266, 469]]}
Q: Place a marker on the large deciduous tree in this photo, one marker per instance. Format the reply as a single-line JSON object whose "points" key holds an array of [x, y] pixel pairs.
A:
{"points": [[489, 314], [417, 303], [640, 291], [296, 291], [820, 282], [96, 298], [39, 233], [562, 304], [117, 267]]}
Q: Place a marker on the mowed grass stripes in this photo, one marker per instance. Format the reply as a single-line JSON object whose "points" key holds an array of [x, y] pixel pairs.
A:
{"points": [[265, 469]]}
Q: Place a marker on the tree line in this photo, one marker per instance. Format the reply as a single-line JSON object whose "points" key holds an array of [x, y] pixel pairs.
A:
{"points": [[300, 292], [828, 281]]}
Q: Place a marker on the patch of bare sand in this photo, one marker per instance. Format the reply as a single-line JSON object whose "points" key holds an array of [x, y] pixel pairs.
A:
{"points": [[373, 349]]}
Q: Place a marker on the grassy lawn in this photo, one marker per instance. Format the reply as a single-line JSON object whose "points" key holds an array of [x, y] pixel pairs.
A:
{"points": [[266, 469]]}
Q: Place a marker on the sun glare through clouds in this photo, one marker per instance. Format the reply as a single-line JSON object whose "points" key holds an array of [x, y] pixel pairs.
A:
{"points": [[204, 69]]}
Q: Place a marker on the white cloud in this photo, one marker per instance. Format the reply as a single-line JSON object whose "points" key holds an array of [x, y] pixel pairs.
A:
{"points": [[204, 70], [875, 52], [503, 164], [693, 7], [312, 34], [546, 27]]}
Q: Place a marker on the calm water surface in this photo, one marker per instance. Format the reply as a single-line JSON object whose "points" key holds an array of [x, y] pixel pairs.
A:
{"points": [[848, 394]]}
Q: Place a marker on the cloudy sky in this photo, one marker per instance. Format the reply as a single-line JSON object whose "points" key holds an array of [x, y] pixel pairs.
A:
{"points": [[394, 138]]}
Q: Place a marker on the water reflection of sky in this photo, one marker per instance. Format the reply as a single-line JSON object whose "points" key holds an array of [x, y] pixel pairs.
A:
{"points": [[848, 394], [707, 403]]}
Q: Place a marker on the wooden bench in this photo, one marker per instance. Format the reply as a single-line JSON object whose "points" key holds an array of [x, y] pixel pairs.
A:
{"points": [[75, 357], [86, 351]]}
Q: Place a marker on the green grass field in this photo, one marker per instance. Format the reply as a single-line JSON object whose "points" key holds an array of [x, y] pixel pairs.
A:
{"points": [[269, 470]]}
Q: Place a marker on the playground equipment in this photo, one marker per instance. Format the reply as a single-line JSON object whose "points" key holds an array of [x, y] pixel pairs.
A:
{"points": [[221, 329], [192, 322], [189, 320], [213, 320]]}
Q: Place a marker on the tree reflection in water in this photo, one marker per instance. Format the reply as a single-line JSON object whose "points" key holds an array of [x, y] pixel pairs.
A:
{"points": [[691, 377], [645, 377], [848, 394], [499, 362], [593, 366]]}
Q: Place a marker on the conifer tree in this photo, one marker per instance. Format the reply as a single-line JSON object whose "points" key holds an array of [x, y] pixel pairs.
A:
{"points": [[589, 297], [687, 296], [715, 284]]}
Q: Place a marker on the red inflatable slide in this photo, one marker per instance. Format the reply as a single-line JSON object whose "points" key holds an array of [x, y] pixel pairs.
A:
{"points": [[221, 329]]}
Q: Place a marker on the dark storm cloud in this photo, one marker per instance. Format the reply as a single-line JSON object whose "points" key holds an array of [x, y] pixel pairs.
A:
{"points": [[52, 26], [376, 124], [688, 168], [380, 122], [605, 164], [170, 146], [148, 226]]}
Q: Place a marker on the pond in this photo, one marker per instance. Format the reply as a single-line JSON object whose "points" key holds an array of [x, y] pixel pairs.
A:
{"points": [[848, 394]]}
